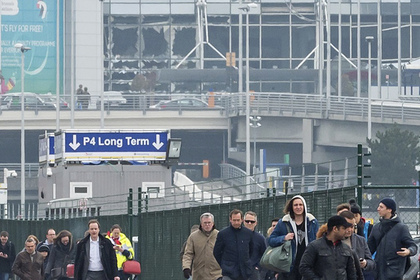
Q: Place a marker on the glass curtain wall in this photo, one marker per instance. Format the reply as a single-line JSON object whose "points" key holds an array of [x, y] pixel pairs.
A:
{"points": [[144, 36]]}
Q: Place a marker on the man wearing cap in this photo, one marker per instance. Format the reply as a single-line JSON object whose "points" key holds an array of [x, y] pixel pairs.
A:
{"points": [[392, 242], [328, 258]]}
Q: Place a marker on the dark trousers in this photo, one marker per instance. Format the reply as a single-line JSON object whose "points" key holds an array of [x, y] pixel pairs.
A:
{"points": [[122, 275], [95, 275], [228, 278]]}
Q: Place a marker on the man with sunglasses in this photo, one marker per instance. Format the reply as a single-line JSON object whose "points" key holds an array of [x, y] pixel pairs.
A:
{"points": [[251, 222]]}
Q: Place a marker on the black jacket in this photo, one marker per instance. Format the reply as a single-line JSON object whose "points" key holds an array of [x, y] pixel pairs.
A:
{"points": [[60, 257], [6, 263], [259, 248], [324, 260], [232, 250], [107, 254], [389, 265]]}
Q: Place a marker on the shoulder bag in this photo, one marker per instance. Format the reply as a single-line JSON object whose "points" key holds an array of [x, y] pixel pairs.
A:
{"points": [[278, 259]]}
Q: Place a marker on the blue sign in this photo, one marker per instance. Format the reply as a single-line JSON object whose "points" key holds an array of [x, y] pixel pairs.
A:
{"points": [[119, 145]]}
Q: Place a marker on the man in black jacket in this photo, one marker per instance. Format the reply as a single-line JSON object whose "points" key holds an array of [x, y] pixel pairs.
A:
{"points": [[251, 222], [392, 242], [233, 248], [328, 258], [95, 257], [7, 255]]}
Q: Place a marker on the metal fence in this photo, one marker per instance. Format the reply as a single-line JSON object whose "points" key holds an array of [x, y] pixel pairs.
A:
{"points": [[261, 103], [161, 233]]}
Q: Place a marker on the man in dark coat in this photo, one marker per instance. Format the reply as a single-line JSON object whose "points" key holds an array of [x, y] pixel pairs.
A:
{"points": [[251, 222], [7, 255], [233, 248], [95, 256], [392, 242], [328, 258]]}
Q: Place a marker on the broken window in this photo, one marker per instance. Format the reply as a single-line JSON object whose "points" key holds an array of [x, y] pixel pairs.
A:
{"points": [[125, 41], [184, 41], [155, 42]]}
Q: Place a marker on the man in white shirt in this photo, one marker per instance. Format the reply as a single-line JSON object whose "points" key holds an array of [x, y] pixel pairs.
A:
{"points": [[95, 256]]}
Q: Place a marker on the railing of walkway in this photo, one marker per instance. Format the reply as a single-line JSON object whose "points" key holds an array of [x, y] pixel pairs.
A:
{"points": [[288, 104]]}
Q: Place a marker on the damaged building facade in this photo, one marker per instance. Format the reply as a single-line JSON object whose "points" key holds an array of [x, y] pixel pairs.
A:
{"points": [[146, 41]]}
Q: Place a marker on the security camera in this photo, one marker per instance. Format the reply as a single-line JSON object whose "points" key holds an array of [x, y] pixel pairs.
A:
{"points": [[49, 172], [13, 174]]}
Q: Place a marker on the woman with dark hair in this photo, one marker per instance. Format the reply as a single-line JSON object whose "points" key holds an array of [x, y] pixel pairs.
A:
{"points": [[62, 254], [300, 227]]}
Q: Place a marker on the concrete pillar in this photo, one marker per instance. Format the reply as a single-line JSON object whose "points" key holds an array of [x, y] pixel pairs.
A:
{"points": [[307, 140]]}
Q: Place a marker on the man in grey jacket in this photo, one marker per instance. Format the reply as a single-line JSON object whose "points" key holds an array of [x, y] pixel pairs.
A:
{"points": [[328, 258]]}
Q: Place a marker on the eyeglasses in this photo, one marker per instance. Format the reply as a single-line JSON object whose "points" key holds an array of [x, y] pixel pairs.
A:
{"points": [[250, 222]]}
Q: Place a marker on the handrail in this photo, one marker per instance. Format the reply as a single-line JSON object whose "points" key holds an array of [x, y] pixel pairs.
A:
{"points": [[262, 103]]}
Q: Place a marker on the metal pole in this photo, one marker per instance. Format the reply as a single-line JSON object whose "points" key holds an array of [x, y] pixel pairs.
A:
{"points": [[1, 10], [240, 50], [255, 151], [399, 48], [101, 87], [57, 77], [369, 136], [359, 62], [73, 62], [22, 137], [247, 125]]}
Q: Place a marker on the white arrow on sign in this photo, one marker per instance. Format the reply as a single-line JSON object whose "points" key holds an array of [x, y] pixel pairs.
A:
{"points": [[74, 145], [157, 144]]}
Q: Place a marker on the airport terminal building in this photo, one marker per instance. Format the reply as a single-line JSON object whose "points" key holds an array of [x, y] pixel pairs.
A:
{"points": [[144, 36]]}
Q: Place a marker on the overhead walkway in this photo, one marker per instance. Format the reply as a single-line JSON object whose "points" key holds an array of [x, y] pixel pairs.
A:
{"points": [[137, 114]]}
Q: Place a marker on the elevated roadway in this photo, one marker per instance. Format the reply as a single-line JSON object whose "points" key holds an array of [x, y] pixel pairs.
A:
{"points": [[311, 120]]}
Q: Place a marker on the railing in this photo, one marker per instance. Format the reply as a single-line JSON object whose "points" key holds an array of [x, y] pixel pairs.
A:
{"points": [[31, 169], [287, 104]]}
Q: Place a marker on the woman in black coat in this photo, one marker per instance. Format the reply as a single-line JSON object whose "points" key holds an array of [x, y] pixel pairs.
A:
{"points": [[62, 253]]}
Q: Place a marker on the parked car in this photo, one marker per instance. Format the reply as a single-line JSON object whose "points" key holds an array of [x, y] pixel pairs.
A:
{"points": [[52, 99], [111, 98], [183, 103], [12, 101]]}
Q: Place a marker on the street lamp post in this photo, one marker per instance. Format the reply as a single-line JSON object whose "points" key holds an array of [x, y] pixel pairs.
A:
{"points": [[369, 39], [22, 49], [255, 124], [246, 9]]}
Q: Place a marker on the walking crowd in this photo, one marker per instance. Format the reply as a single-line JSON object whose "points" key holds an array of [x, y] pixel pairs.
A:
{"points": [[347, 247], [95, 257]]}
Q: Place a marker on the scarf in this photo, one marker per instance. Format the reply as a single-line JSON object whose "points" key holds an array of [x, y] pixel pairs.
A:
{"points": [[115, 241]]}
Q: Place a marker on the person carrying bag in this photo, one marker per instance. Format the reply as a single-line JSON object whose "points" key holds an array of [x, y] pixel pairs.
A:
{"points": [[297, 227]]}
